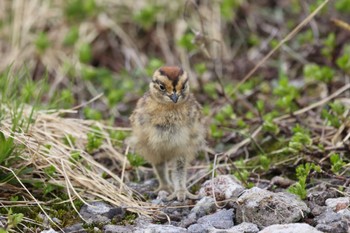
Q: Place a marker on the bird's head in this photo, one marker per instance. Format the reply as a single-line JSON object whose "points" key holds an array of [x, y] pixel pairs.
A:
{"points": [[170, 85]]}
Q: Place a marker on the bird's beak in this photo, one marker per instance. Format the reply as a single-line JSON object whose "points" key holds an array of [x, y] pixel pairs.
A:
{"points": [[174, 97]]}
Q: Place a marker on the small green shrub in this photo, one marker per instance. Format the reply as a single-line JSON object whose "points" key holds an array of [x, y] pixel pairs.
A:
{"points": [[314, 72], [42, 42], [135, 160], [336, 162], [302, 172]]}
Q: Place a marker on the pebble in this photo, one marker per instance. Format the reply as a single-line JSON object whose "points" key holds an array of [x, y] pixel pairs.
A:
{"points": [[290, 228]]}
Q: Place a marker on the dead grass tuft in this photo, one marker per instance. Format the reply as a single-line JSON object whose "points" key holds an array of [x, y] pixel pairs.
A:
{"points": [[43, 146]]}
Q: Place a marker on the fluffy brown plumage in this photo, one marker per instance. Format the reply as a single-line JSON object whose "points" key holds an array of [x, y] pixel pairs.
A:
{"points": [[167, 128]]}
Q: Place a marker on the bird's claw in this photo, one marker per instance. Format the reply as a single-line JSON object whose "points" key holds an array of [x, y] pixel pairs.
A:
{"points": [[181, 195]]}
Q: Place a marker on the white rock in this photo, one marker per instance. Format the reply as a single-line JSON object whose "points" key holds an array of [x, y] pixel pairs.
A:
{"points": [[98, 208], [265, 208], [245, 227], [290, 228], [337, 204], [223, 187], [156, 228], [49, 231]]}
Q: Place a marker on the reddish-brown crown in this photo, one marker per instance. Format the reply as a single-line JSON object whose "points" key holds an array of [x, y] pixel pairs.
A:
{"points": [[172, 72]]}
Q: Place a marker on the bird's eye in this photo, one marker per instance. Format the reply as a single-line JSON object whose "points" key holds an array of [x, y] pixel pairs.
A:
{"points": [[184, 87], [161, 87]]}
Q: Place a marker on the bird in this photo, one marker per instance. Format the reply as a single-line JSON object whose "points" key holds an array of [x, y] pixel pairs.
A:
{"points": [[168, 129]]}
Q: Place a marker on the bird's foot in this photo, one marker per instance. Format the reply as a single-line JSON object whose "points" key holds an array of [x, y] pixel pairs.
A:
{"points": [[181, 195]]}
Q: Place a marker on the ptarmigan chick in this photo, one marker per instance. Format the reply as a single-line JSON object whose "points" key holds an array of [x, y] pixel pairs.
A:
{"points": [[167, 128]]}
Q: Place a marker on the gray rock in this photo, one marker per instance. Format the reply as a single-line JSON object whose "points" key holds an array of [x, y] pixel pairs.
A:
{"points": [[265, 208], [328, 216], [320, 193], [337, 204], [199, 228], [244, 227], [223, 219], [189, 220], [290, 228], [147, 187], [316, 209], [100, 212], [142, 221], [117, 229], [76, 228], [330, 221], [204, 206], [156, 228], [345, 213], [223, 187]]}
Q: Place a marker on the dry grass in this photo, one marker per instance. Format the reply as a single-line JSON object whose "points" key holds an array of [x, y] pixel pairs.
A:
{"points": [[43, 147]]}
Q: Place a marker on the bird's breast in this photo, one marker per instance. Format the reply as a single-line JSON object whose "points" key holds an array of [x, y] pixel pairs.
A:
{"points": [[169, 136]]}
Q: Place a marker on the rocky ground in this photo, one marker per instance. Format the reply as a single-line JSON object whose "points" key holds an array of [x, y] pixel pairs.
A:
{"points": [[227, 207]]}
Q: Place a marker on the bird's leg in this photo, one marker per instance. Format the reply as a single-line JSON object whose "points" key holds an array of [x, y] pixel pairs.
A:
{"points": [[162, 173], [179, 175]]}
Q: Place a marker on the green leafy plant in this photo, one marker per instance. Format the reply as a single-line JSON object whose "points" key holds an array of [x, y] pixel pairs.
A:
{"points": [[153, 64], [300, 139], [343, 6], [50, 171], [147, 16], [210, 90], [13, 219], [243, 174], [7, 147], [286, 93], [302, 172], [85, 53], [305, 37], [226, 113], [334, 115], [270, 127], [135, 160], [76, 10], [343, 61], [46, 187], [314, 72], [186, 41], [216, 132], [95, 140], [92, 114], [200, 68], [72, 36], [328, 46], [75, 157], [42, 42], [265, 162], [69, 140], [336, 162], [228, 8]]}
